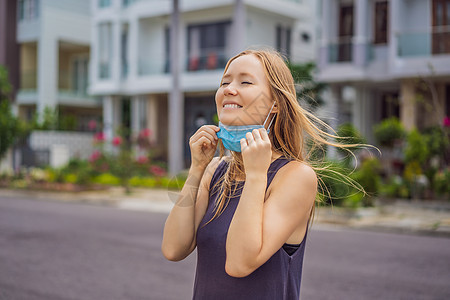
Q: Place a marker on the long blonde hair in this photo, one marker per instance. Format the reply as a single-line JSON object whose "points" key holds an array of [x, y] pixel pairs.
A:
{"points": [[291, 127]]}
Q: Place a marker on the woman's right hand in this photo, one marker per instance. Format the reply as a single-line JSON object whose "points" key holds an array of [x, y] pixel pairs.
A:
{"points": [[203, 144]]}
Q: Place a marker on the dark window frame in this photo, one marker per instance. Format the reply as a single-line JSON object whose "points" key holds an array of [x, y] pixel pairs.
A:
{"points": [[381, 22]]}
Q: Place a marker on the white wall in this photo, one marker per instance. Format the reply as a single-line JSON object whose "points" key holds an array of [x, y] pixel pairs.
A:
{"points": [[151, 44]]}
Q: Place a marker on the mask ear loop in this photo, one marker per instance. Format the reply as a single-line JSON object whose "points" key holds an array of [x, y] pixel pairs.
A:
{"points": [[268, 116]]}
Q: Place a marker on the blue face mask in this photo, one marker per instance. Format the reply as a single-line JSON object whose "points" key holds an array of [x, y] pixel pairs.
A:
{"points": [[231, 135]]}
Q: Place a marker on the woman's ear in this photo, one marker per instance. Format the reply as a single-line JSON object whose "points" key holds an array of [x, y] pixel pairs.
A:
{"points": [[275, 108]]}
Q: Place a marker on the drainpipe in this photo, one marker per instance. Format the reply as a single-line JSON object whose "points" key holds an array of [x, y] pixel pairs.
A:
{"points": [[239, 27], [176, 104]]}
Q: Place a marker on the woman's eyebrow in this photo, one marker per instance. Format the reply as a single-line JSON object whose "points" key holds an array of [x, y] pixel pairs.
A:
{"points": [[242, 74]]}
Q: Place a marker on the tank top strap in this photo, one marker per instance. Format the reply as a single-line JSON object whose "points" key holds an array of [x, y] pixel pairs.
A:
{"points": [[272, 171], [218, 173], [274, 167]]}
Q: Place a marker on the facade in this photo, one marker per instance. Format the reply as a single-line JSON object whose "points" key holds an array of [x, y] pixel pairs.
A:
{"points": [[130, 59], [386, 58], [9, 48], [54, 49]]}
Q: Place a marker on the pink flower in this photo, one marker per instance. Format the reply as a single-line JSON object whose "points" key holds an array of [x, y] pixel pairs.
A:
{"points": [[157, 170], [116, 141], [446, 122], [146, 132], [99, 137], [92, 124], [142, 159], [95, 156]]}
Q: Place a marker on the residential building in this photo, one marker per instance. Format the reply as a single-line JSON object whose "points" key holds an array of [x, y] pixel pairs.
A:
{"points": [[54, 39], [386, 58], [9, 48], [130, 58]]}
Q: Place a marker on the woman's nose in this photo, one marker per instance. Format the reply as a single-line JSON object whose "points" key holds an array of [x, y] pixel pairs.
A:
{"points": [[229, 90]]}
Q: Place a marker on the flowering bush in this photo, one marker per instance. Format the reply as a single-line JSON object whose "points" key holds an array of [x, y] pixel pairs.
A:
{"points": [[122, 162]]}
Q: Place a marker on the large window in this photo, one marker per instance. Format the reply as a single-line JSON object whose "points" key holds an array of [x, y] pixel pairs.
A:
{"points": [[344, 46], [283, 40], [207, 46], [104, 3], [80, 75], [104, 50], [381, 22], [441, 26], [28, 9], [124, 51]]}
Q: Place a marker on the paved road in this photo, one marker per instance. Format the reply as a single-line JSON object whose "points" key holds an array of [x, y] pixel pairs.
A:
{"points": [[61, 251]]}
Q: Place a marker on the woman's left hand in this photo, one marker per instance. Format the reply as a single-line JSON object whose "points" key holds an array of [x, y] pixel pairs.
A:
{"points": [[256, 152]]}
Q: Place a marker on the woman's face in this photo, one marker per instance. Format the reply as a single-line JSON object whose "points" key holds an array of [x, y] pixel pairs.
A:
{"points": [[244, 97]]}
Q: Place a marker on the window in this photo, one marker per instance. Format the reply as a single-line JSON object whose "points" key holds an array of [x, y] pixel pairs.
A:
{"points": [[124, 51], [167, 49], [441, 23], [28, 9], [447, 100], [104, 50], [125, 3], [344, 46], [283, 40], [80, 71], [207, 46], [390, 106], [381, 22], [104, 3]]}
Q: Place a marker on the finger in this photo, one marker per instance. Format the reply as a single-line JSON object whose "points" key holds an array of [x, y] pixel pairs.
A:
{"points": [[243, 144], [264, 135], [201, 134], [211, 129], [203, 141], [249, 137], [256, 135]]}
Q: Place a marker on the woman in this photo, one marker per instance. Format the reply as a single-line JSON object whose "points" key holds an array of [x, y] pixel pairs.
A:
{"points": [[248, 213]]}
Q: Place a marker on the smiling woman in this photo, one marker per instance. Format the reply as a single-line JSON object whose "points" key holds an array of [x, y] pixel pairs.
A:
{"points": [[248, 213]]}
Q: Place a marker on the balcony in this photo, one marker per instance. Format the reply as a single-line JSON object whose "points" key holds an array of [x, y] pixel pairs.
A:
{"points": [[72, 89], [434, 42], [149, 66], [208, 59], [341, 50]]}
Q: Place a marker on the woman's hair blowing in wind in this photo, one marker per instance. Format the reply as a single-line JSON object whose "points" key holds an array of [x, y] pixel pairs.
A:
{"points": [[295, 132]]}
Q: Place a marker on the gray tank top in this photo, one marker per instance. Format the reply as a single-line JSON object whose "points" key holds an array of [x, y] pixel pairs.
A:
{"points": [[278, 278]]}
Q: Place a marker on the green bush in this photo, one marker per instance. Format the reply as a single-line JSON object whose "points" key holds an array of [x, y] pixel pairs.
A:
{"points": [[416, 148], [332, 185], [143, 181], [395, 188], [106, 179], [441, 183], [389, 131]]}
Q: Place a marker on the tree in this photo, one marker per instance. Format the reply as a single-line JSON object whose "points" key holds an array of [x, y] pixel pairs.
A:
{"points": [[308, 90], [10, 128]]}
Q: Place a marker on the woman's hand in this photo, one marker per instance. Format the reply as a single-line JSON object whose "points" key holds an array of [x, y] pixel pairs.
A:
{"points": [[256, 152], [203, 144]]}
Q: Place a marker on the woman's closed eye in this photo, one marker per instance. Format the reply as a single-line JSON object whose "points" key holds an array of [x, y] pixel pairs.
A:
{"points": [[224, 83], [246, 82]]}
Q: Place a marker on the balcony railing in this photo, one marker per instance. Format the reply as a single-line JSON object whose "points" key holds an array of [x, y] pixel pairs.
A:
{"points": [[428, 43], [210, 59], [341, 50], [152, 67]]}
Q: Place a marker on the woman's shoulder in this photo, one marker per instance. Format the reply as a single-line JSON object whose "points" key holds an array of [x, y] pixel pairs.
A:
{"points": [[296, 175]]}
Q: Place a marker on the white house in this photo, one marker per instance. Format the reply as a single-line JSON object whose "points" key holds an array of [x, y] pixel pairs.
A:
{"points": [[130, 65], [54, 38], [386, 58]]}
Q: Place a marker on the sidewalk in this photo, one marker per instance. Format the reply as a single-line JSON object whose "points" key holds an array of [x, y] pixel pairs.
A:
{"points": [[418, 217]]}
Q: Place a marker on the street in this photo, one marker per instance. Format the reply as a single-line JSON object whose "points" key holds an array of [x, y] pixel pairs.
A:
{"points": [[67, 251]]}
